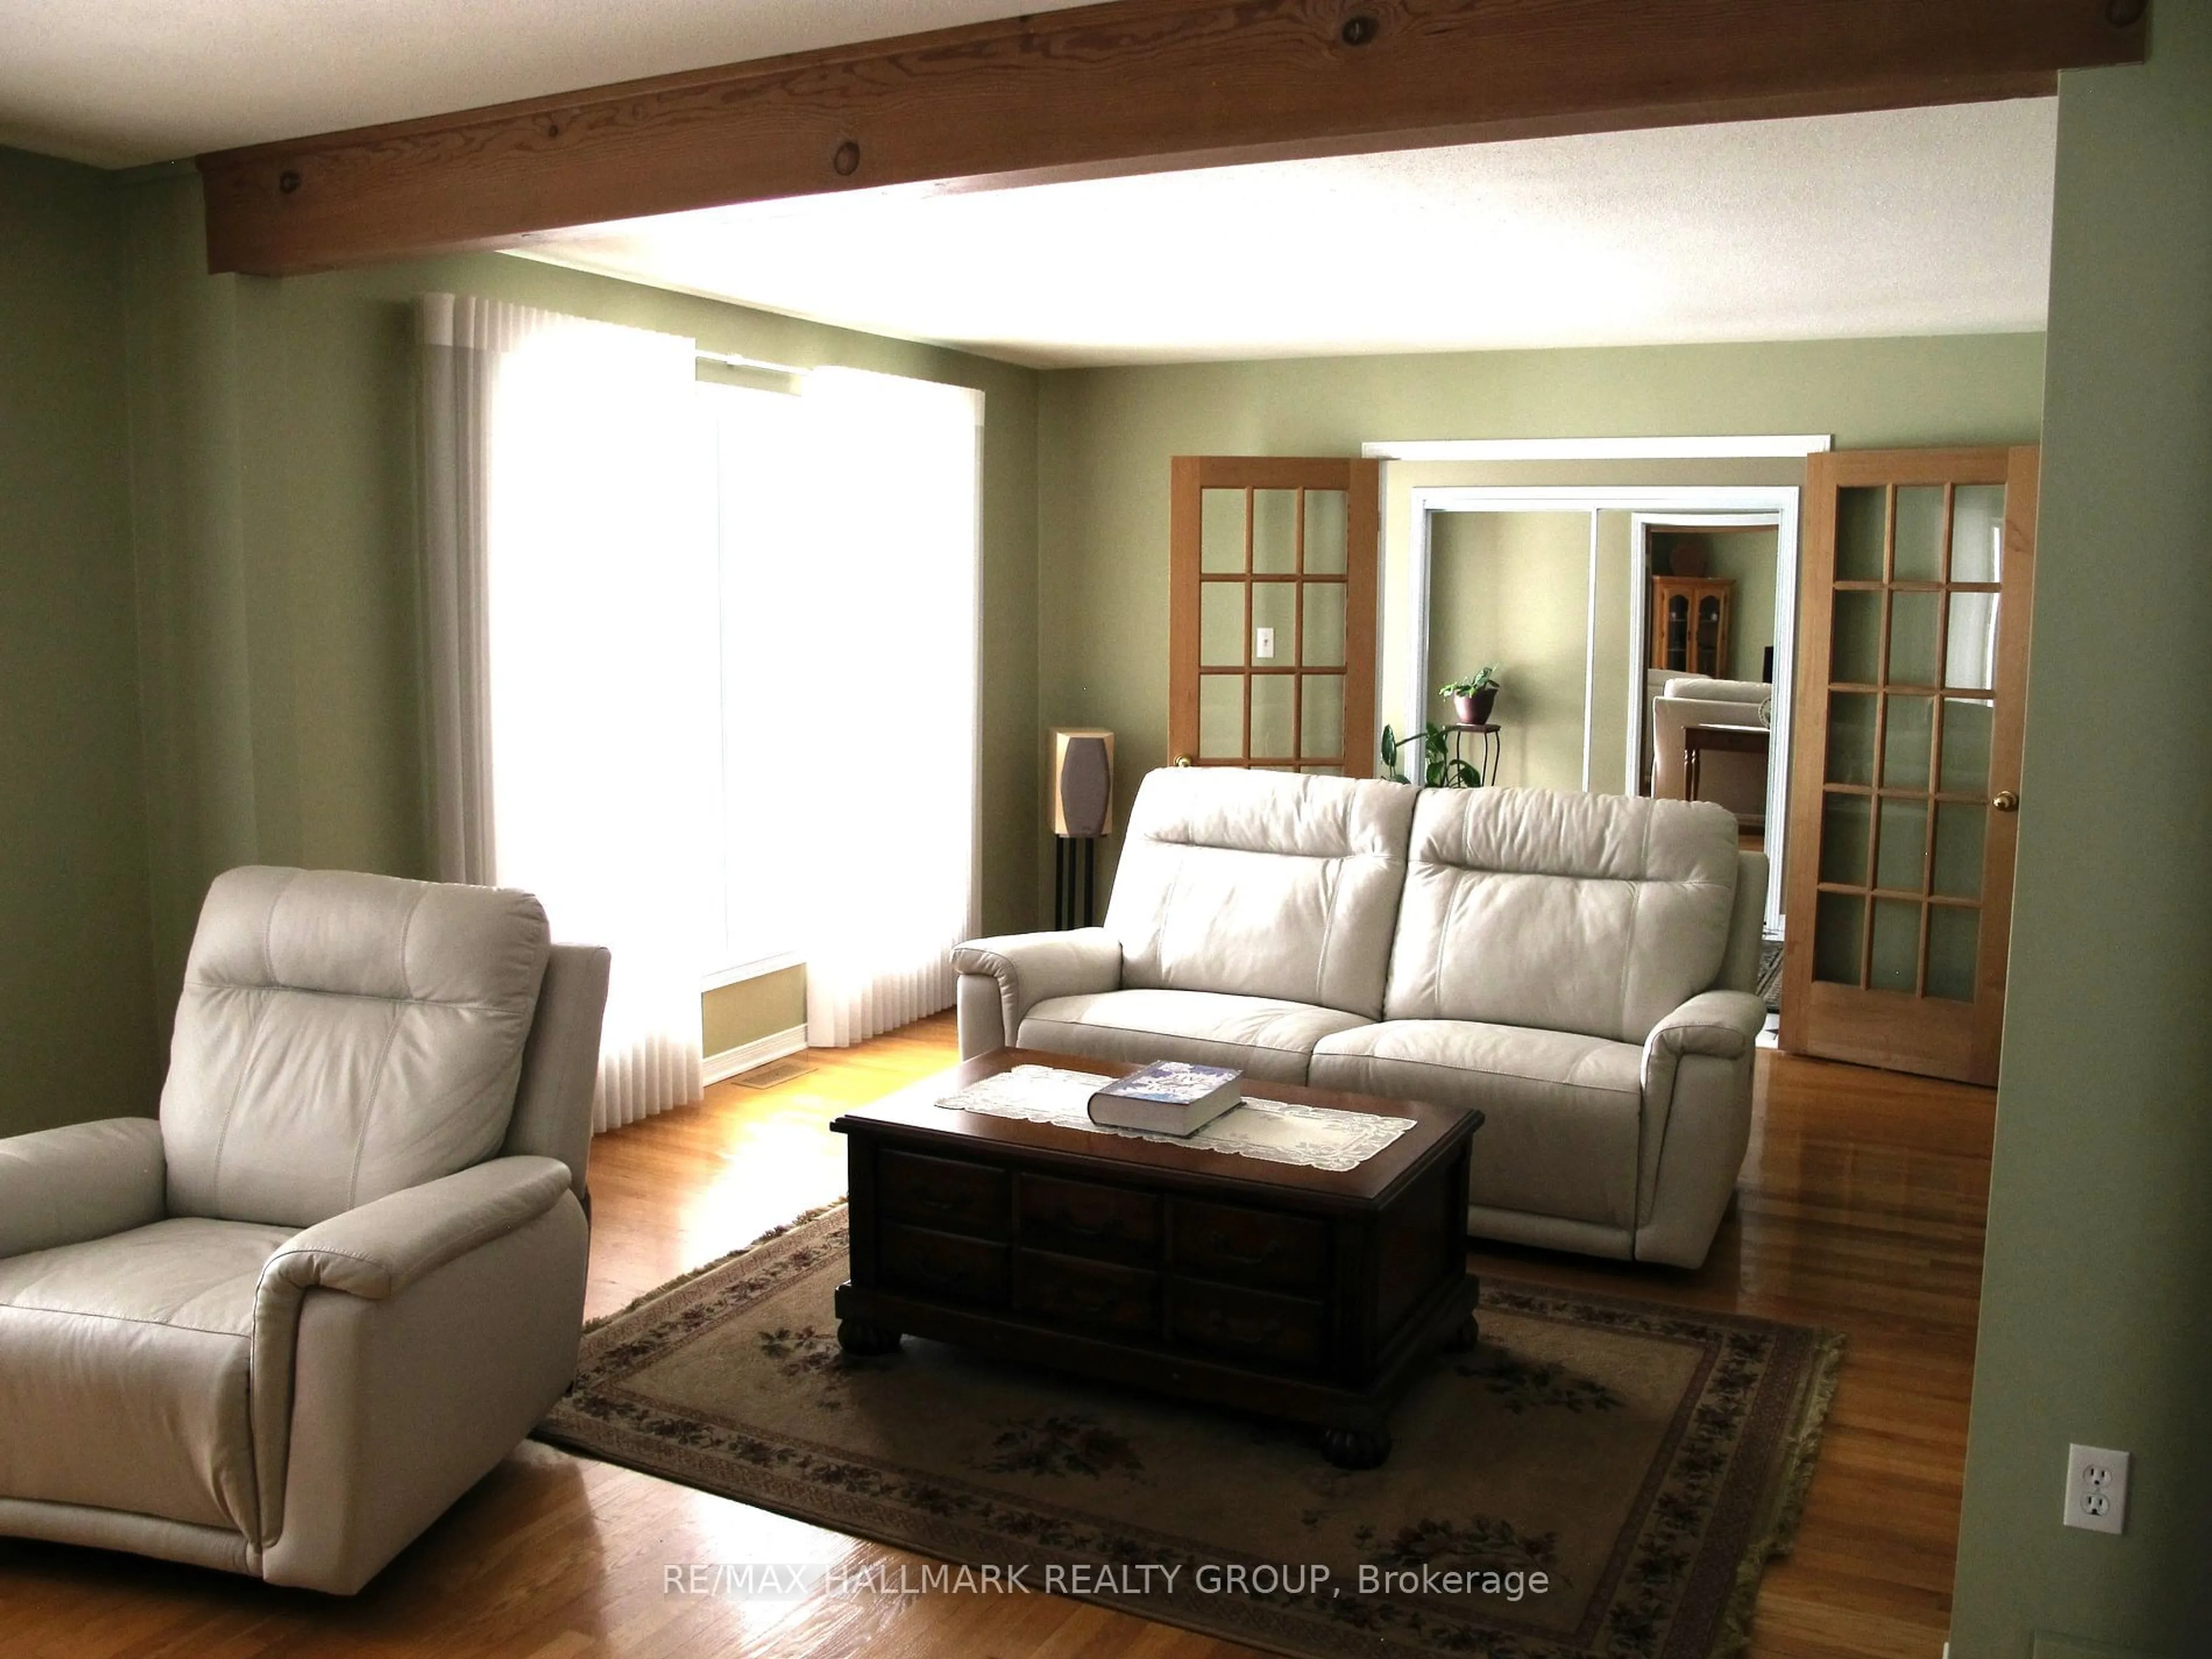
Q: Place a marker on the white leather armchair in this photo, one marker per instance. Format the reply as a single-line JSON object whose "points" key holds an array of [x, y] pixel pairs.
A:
{"points": [[280, 1327]]}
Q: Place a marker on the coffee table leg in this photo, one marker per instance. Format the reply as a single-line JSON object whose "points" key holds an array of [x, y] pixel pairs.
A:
{"points": [[864, 1339], [1356, 1449]]}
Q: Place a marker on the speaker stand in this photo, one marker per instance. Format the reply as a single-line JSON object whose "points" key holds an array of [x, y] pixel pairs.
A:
{"points": [[1074, 871]]}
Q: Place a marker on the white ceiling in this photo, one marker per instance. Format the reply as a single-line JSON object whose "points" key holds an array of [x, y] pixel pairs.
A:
{"points": [[1905, 222], [117, 83], [1919, 222]]}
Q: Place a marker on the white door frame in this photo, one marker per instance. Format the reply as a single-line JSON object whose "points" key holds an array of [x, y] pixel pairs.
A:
{"points": [[1668, 504]]}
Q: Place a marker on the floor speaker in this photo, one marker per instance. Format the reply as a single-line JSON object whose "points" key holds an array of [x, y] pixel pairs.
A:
{"points": [[1082, 783]]}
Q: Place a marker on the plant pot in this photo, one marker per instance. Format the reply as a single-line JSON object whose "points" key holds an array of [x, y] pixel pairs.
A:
{"points": [[1475, 710]]}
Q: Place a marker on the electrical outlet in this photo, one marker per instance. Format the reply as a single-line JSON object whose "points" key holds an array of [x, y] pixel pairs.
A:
{"points": [[1263, 644], [2096, 1489]]}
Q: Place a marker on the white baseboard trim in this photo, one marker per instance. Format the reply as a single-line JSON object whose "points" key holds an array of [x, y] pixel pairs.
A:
{"points": [[746, 1055]]}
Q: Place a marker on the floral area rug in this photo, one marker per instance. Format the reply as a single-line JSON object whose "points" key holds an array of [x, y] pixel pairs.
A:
{"points": [[1596, 1480]]}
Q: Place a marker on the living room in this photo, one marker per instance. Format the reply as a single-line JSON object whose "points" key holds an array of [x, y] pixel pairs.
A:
{"points": [[218, 662]]}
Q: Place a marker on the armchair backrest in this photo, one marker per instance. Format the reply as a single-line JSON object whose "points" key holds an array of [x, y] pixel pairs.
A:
{"points": [[1261, 884], [342, 1037], [561, 1063], [1572, 912]]}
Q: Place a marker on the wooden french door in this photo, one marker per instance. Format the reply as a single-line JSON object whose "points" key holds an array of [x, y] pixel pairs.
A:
{"points": [[1912, 666], [1271, 613]]}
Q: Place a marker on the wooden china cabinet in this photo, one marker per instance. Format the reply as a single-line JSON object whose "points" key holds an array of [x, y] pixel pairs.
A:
{"points": [[1690, 624]]}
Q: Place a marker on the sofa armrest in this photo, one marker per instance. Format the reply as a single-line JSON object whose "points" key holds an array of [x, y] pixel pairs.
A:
{"points": [[1033, 968], [80, 1181], [1698, 1069], [374, 1252], [1724, 1024]]}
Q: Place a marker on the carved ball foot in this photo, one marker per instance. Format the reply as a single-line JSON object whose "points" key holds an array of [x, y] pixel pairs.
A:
{"points": [[1464, 1336], [1356, 1449], [865, 1341]]}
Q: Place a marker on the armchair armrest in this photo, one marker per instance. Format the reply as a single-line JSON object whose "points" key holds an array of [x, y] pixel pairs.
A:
{"points": [[1032, 967], [374, 1252], [80, 1181]]}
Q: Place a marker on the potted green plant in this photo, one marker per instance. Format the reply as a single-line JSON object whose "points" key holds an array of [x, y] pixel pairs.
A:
{"points": [[1440, 768], [1472, 698]]}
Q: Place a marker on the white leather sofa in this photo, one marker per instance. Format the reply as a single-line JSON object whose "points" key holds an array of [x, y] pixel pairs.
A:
{"points": [[1579, 967], [1733, 780], [280, 1327]]}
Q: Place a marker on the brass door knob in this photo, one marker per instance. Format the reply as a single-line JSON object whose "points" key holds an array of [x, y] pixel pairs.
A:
{"points": [[2005, 801], [1182, 760]]}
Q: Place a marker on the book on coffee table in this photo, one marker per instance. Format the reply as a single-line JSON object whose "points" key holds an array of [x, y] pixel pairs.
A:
{"points": [[1168, 1098]]}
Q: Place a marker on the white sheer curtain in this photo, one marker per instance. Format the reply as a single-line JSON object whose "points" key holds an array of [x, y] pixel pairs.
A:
{"points": [[893, 598], [850, 569], [569, 587]]}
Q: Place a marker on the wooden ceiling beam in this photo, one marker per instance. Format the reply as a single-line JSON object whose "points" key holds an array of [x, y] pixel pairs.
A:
{"points": [[1127, 87]]}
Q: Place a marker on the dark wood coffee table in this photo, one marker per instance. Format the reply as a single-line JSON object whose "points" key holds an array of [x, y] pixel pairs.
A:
{"points": [[1297, 1293]]}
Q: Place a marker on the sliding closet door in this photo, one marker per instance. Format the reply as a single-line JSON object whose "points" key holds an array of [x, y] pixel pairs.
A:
{"points": [[1906, 776], [1271, 618]]}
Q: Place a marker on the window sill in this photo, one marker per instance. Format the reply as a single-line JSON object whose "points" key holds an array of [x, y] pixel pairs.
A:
{"points": [[758, 968]]}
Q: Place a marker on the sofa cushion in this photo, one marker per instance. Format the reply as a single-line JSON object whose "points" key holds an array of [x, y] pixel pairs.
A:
{"points": [[1263, 1037], [123, 1371], [1261, 884], [342, 1036], [1593, 914], [1563, 1113]]}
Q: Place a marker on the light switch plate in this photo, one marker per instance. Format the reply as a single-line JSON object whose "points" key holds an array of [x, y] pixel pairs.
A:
{"points": [[1263, 644], [2096, 1489]]}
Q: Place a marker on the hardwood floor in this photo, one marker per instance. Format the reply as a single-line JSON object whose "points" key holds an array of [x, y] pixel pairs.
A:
{"points": [[1860, 1209]]}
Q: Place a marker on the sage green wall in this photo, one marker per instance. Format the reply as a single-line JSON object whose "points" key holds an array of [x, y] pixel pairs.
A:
{"points": [[2096, 1322], [1106, 435], [1512, 589], [78, 1036], [273, 504]]}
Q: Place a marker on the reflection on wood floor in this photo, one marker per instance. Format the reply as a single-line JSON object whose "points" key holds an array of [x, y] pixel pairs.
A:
{"points": [[1860, 1209]]}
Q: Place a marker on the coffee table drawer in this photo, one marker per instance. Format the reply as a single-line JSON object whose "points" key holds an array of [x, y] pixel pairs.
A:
{"points": [[1082, 1217], [1251, 1247], [1095, 1296], [1256, 1327], [944, 1266], [943, 1193]]}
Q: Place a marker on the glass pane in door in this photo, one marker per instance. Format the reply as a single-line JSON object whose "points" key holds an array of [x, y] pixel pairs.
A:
{"points": [[1322, 646], [1325, 533], [1271, 698], [1836, 938], [1221, 531], [1912, 619], [1967, 728], [1320, 714], [1953, 941], [1274, 533], [1221, 624], [1919, 533], [1274, 623], [1978, 533], [1894, 962], [1220, 717], [1861, 514]]}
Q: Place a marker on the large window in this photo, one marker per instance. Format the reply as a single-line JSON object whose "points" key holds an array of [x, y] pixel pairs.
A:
{"points": [[847, 527]]}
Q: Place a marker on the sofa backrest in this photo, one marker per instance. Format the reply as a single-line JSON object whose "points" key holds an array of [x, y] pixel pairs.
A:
{"points": [[342, 1037], [1596, 913], [1261, 884]]}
